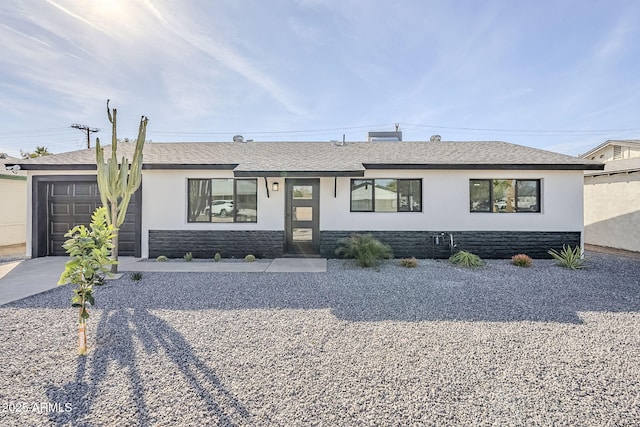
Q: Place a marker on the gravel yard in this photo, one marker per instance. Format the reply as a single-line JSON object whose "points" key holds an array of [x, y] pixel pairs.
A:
{"points": [[434, 345]]}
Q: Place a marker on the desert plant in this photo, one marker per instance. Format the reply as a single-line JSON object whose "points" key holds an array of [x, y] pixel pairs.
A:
{"points": [[217, 257], [250, 258], [466, 259], [568, 257], [89, 249], [162, 258], [364, 248], [188, 256], [409, 262], [136, 276], [521, 260], [117, 181]]}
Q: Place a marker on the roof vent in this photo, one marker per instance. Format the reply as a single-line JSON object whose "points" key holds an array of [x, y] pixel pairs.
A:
{"points": [[238, 138], [435, 138], [384, 136]]}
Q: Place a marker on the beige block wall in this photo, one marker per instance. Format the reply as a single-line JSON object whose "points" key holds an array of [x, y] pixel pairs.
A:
{"points": [[13, 211], [612, 211]]}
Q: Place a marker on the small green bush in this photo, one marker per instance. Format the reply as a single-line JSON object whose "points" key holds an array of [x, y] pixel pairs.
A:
{"points": [[466, 259], [162, 258], [250, 258], [136, 276], [217, 257], [568, 257], [521, 260], [188, 256], [409, 262], [364, 248]]}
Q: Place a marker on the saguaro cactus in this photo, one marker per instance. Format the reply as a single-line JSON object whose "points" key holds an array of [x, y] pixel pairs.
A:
{"points": [[117, 182]]}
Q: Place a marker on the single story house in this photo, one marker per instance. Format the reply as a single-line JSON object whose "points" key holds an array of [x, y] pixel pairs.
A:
{"points": [[13, 207], [612, 196], [274, 199]]}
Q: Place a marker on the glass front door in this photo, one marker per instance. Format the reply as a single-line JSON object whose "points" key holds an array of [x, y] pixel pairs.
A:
{"points": [[302, 224]]}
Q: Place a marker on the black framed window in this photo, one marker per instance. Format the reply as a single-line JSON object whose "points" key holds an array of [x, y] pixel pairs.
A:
{"points": [[222, 200], [386, 195], [504, 195]]}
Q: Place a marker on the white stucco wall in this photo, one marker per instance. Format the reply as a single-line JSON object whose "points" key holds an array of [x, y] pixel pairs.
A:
{"points": [[612, 211], [164, 203], [13, 211], [446, 204]]}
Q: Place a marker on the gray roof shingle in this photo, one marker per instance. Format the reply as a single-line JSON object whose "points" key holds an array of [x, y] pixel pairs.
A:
{"points": [[270, 158]]}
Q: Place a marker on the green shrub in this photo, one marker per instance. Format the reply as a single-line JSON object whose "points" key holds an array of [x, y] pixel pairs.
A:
{"points": [[366, 250], [409, 262], [217, 257], [188, 256], [466, 259], [135, 276], [162, 258], [568, 257], [521, 260], [250, 258]]}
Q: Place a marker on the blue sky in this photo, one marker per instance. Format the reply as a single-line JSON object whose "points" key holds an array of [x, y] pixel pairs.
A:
{"points": [[560, 75]]}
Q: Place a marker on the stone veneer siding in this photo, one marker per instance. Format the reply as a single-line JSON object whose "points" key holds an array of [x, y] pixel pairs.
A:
{"points": [[205, 243], [486, 244], [420, 244]]}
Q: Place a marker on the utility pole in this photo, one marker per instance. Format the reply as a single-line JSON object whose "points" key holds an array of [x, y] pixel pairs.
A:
{"points": [[86, 129]]}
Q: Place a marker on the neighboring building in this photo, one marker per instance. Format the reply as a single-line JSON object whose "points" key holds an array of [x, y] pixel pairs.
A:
{"points": [[13, 207], [612, 196], [610, 150], [299, 198]]}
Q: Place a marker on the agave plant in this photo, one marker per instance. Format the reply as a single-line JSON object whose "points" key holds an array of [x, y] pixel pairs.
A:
{"points": [[568, 257]]}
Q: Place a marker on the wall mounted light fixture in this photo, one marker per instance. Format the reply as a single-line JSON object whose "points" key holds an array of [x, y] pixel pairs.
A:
{"points": [[275, 186]]}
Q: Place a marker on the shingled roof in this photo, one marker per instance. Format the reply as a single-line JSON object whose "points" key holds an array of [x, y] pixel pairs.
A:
{"points": [[325, 158]]}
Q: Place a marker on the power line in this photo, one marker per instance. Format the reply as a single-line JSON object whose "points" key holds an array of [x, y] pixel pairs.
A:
{"points": [[86, 129], [539, 131]]}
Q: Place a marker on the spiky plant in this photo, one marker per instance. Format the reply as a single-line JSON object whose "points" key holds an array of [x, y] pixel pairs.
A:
{"points": [[466, 259], [365, 249], [568, 257], [118, 181]]}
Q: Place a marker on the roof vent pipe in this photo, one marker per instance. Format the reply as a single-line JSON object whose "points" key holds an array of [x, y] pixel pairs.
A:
{"points": [[238, 138], [435, 138]]}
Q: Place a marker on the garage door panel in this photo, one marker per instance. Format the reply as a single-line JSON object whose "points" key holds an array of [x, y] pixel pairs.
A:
{"points": [[61, 227], [83, 209], [60, 189], [60, 209], [84, 189]]}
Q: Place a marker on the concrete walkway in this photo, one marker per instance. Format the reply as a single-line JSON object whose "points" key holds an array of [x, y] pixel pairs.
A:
{"points": [[21, 279]]}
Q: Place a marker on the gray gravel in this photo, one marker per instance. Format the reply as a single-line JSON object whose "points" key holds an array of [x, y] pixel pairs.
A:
{"points": [[435, 345]]}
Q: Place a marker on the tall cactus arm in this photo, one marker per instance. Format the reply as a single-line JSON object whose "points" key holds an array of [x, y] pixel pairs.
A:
{"points": [[118, 182]]}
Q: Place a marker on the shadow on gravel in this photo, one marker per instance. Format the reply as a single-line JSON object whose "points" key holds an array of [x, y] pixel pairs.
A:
{"points": [[435, 291], [118, 333]]}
